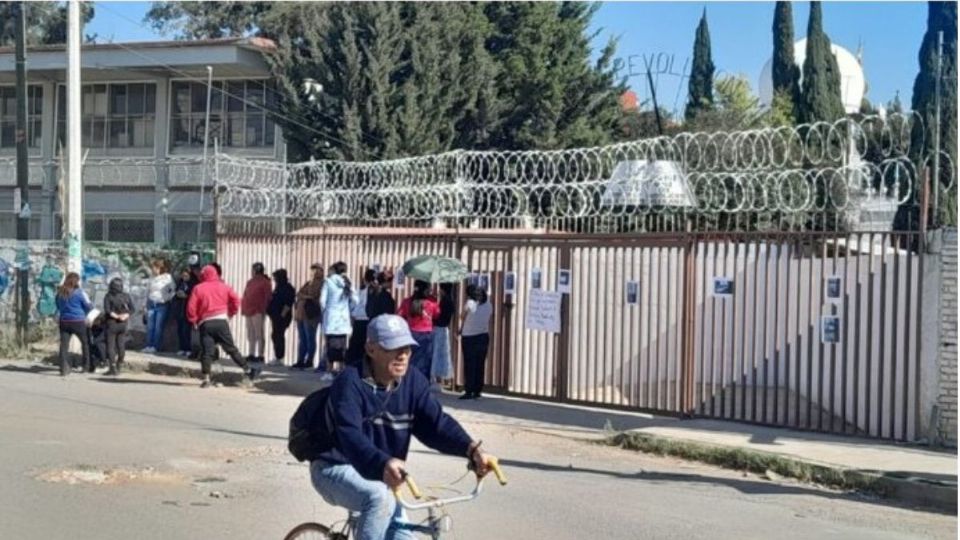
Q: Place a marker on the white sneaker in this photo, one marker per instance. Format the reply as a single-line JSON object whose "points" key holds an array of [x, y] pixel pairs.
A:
{"points": [[327, 377]]}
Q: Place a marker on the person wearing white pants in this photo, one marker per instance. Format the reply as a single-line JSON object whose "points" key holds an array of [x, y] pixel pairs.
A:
{"points": [[253, 306]]}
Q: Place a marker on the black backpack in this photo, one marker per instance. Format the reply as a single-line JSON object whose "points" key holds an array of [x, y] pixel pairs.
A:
{"points": [[311, 427]]}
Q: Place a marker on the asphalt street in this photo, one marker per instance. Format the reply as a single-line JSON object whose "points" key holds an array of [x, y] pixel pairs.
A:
{"points": [[146, 457]]}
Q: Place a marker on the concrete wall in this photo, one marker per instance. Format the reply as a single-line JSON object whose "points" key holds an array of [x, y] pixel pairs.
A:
{"points": [[946, 428]]}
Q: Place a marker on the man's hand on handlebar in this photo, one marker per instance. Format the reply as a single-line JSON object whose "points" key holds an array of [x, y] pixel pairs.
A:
{"points": [[394, 473]]}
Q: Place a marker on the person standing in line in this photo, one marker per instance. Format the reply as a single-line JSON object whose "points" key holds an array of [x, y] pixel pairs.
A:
{"points": [[441, 368], [73, 304], [379, 300], [160, 292], [475, 340], [336, 301], [358, 337], [256, 299], [117, 307], [419, 310], [178, 306], [307, 314], [211, 306], [280, 312]]}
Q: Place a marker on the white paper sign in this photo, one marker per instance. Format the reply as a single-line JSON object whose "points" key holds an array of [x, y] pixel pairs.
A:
{"points": [[510, 283], [563, 281], [543, 311]]}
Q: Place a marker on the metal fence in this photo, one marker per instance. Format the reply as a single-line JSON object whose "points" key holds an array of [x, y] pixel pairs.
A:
{"points": [[759, 353]]}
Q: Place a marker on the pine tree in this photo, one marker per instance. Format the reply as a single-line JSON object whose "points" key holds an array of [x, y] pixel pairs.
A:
{"points": [[941, 17], [701, 73], [820, 100], [786, 73]]}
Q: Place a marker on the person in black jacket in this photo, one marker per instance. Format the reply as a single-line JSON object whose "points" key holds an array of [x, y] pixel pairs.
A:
{"points": [[379, 299], [379, 408], [179, 309], [280, 311], [117, 307]]}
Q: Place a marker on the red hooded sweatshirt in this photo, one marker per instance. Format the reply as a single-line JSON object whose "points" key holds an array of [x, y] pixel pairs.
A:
{"points": [[211, 298]]}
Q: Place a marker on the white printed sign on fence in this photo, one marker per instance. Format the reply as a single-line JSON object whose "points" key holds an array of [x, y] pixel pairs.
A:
{"points": [[543, 310]]}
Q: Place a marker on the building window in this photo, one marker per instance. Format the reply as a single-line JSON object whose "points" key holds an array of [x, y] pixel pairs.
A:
{"points": [[238, 116], [127, 229], [8, 116], [184, 231], [113, 115]]}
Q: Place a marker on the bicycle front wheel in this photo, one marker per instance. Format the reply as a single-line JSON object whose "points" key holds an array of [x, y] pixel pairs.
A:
{"points": [[313, 531]]}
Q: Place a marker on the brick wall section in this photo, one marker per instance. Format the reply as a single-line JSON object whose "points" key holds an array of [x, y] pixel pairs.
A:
{"points": [[947, 399]]}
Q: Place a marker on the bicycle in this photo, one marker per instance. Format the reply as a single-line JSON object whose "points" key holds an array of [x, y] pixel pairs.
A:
{"points": [[436, 524]]}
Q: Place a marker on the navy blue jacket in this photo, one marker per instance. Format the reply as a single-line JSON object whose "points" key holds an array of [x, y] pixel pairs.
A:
{"points": [[374, 424]]}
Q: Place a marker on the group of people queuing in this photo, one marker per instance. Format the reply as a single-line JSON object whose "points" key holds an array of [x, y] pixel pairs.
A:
{"points": [[327, 304]]}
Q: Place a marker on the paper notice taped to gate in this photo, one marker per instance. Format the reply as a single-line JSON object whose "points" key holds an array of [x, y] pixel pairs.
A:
{"points": [[543, 310]]}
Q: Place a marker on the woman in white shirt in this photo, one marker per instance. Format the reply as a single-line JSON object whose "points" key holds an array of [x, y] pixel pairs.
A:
{"points": [[358, 338], [160, 291], [475, 340]]}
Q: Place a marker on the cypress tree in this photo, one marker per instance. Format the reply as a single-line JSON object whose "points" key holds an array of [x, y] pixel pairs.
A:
{"points": [[820, 100], [701, 73], [786, 73], [941, 17]]}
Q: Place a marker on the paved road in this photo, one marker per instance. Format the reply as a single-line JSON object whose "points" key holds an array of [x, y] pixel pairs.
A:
{"points": [[156, 457]]}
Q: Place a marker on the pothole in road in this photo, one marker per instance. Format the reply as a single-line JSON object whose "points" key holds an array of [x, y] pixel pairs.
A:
{"points": [[91, 475]]}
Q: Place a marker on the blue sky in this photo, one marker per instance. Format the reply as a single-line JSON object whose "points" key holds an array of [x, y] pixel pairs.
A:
{"points": [[740, 35]]}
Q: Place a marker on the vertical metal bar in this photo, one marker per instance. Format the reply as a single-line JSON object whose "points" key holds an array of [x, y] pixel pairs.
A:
{"points": [[811, 330], [820, 370], [881, 357], [776, 341], [921, 243], [908, 307], [833, 346], [689, 326], [737, 288], [844, 357], [799, 348], [649, 306], [763, 335], [781, 243], [702, 360], [563, 341], [713, 333], [858, 296], [654, 382], [894, 348], [723, 337], [869, 336]]}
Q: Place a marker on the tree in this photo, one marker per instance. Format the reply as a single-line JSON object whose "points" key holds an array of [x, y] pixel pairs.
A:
{"points": [[895, 107], [941, 17], [785, 73], [735, 107], [46, 22], [200, 20], [701, 72], [820, 100]]}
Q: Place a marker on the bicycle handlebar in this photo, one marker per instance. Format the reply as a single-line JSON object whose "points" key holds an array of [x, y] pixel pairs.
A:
{"points": [[434, 503]]}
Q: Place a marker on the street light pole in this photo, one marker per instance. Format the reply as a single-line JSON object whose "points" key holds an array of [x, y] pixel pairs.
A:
{"points": [[74, 198]]}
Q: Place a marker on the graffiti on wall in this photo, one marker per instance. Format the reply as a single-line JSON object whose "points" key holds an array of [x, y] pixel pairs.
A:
{"points": [[102, 262]]}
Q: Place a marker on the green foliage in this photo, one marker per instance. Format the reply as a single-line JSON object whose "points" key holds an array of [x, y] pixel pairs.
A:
{"points": [[941, 17], [46, 22], [701, 73], [785, 72], [734, 107], [820, 100]]}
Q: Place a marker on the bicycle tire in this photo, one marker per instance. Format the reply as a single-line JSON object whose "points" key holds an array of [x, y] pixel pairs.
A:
{"points": [[309, 530]]}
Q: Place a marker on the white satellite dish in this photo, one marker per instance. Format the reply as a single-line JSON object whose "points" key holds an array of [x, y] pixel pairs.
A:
{"points": [[852, 83]]}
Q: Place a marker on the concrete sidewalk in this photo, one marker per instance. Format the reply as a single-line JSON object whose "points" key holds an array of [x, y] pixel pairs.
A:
{"points": [[912, 473]]}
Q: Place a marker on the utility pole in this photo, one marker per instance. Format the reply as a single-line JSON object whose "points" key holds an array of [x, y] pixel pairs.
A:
{"points": [[74, 198], [656, 108], [22, 198], [206, 137]]}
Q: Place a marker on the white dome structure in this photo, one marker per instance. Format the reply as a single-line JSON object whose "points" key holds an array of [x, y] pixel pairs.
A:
{"points": [[852, 83]]}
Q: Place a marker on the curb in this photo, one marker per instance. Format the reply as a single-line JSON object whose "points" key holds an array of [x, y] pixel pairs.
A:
{"points": [[912, 490]]}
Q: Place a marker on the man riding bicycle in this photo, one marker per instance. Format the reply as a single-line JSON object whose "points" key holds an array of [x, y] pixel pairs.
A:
{"points": [[374, 409]]}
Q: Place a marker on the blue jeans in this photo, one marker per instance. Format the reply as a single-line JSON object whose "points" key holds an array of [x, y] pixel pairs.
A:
{"points": [[307, 338], [422, 356], [156, 318], [342, 485]]}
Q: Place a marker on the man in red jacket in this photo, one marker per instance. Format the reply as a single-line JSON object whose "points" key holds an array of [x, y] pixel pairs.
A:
{"points": [[211, 305]]}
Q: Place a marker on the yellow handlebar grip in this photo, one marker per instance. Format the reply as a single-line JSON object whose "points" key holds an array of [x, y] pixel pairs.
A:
{"points": [[413, 487], [495, 466]]}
